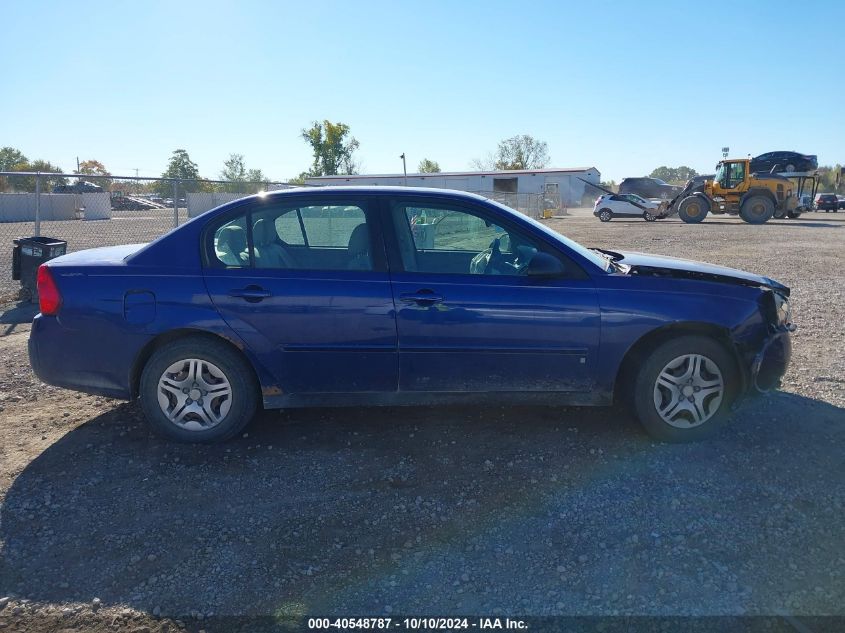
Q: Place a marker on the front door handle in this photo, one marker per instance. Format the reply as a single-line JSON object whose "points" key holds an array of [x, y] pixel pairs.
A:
{"points": [[421, 297], [251, 293]]}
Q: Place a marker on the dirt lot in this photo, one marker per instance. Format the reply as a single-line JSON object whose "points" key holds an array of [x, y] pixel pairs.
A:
{"points": [[443, 511]]}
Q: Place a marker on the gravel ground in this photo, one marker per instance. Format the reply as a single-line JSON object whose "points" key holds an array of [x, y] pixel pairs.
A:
{"points": [[446, 511]]}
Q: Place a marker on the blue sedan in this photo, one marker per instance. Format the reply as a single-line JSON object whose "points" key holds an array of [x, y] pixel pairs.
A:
{"points": [[401, 296]]}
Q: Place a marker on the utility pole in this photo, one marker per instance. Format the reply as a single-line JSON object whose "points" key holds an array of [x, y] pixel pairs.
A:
{"points": [[404, 168], [77, 164]]}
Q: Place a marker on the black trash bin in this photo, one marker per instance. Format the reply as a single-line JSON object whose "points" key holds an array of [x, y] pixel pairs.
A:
{"points": [[28, 254]]}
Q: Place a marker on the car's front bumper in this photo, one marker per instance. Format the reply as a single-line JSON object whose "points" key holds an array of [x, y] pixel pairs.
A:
{"points": [[772, 360]]}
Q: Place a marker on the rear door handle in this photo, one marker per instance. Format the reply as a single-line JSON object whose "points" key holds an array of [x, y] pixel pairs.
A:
{"points": [[250, 293], [421, 297]]}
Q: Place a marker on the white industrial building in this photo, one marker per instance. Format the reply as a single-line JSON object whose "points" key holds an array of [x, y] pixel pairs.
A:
{"points": [[524, 181]]}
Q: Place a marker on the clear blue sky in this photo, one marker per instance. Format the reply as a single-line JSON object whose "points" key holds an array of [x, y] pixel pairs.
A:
{"points": [[623, 86]]}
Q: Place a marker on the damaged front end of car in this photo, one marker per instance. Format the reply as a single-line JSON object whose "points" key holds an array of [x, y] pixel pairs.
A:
{"points": [[771, 361]]}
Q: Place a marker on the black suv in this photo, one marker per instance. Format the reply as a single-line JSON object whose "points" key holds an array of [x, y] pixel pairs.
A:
{"points": [[649, 188], [827, 202]]}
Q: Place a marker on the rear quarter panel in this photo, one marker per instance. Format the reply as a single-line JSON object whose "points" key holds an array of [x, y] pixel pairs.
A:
{"points": [[109, 317]]}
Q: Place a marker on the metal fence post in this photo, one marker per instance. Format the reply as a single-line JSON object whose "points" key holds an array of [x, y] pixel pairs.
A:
{"points": [[37, 204], [175, 203]]}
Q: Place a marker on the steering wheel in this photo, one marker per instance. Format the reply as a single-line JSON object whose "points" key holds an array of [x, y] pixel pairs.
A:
{"points": [[489, 261]]}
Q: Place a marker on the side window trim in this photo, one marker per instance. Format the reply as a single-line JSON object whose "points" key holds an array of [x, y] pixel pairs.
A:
{"points": [[369, 205], [395, 258], [302, 227]]}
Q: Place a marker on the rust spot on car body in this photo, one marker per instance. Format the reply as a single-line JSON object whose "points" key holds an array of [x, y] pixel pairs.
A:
{"points": [[272, 390]]}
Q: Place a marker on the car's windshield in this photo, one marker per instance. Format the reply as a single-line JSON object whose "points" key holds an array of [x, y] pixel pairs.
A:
{"points": [[583, 251]]}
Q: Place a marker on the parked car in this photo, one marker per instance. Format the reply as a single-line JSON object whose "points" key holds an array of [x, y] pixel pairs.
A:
{"points": [[805, 203], [841, 200], [122, 203], [827, 202], [626, 205], [168, 202], [78, 187], [784, 162], [649, 188], [325, 296]]}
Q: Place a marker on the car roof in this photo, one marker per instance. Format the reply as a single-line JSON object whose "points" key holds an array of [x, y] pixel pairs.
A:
{"points": [[371, 189]]}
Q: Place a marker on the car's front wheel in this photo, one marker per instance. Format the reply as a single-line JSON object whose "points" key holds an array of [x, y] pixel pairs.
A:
{"points": [[684, 389], [198, 390], [648, 216], [605, 215]]}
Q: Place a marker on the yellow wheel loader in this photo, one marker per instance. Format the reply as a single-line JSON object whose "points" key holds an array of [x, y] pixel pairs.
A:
{"points": [[756, 198]]}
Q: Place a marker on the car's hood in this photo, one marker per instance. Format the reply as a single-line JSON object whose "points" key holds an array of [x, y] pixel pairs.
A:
{"points": [[643, 264], [105, 255]]}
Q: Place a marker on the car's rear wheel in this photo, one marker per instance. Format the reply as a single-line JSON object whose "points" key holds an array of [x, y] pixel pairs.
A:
{"points": [[198, 390], [684, 389], [693, 209], [757, 209], [605, 215]]}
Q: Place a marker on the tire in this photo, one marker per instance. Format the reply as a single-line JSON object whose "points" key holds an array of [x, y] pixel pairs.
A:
{"points": [[794, 214], [757, 209], [659, 402], [215, 365], [605, 215], [648, 216], [693, 209]]}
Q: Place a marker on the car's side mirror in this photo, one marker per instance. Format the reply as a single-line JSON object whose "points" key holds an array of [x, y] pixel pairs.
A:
{"points": [[544, 265]]}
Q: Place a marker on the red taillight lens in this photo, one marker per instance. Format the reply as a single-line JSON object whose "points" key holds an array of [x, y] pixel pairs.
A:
{"points": [[48, 292]]}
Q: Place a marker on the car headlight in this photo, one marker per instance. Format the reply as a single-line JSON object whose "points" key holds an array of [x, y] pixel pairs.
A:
{"points": [[783, 312]]}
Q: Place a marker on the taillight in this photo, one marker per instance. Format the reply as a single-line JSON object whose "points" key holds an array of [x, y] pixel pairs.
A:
{"points": [[48, 292]]}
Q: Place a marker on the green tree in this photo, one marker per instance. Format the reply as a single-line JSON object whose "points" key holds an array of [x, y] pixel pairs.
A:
{"points": [[427, 166], [257, 180], [677, 175], [831, 179], [684, 173], [333, 148], [522, 151], [180, 166], [664, 173], [10, 157], [27, 183], [234, 171]]}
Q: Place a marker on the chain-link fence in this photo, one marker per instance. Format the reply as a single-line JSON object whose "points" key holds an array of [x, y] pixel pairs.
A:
{"points": [[89, 211], [534, 205]]}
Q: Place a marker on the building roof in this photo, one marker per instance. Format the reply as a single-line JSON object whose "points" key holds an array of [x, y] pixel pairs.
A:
{"points": [[502, 172]]}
